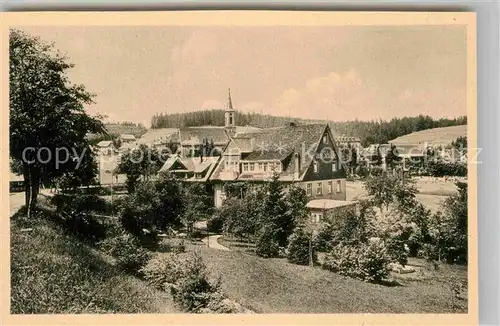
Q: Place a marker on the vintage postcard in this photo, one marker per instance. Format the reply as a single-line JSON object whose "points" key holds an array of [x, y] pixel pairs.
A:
{"points": [[224, 167]]}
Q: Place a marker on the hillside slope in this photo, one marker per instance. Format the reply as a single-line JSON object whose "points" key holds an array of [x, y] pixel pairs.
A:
{"points": [[53, 272], [436, 136]]}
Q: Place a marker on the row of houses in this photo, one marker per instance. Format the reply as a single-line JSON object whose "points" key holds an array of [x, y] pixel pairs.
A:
{"points": [[305, 155]]}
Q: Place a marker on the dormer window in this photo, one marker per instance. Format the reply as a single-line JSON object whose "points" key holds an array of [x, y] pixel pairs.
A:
{"points": [[315, 166], [325, 139]]}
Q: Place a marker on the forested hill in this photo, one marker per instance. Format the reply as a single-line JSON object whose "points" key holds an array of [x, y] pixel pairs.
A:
{"points": [[370, 132]]}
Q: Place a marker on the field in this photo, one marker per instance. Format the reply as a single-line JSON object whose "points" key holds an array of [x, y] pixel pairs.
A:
{"points": [[276, 286], [435, 136]]}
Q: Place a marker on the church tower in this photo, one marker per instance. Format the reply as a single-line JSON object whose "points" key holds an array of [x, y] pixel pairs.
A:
{"points": [[229, 117]]}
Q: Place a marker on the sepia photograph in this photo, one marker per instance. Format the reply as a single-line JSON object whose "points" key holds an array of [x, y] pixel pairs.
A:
{"points": [[242, 168]]}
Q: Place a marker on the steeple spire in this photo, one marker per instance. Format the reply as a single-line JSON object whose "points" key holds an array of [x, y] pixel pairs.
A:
{"points": [[229, 116], [229, 101]]}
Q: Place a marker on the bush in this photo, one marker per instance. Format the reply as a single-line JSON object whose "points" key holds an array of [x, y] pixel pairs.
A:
{"points": [[127, 250], [215, 224], [266, 245], [80, 203], [367, 262], [85, 226], [186, 277], [299, 247]]}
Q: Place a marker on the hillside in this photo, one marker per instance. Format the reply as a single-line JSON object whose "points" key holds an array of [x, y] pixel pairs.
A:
{"points": [[54, 272], [436, 136]]}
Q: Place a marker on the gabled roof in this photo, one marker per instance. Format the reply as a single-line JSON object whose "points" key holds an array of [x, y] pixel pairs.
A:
{"points": [[127, 136], [191, 164], [195, 135], [328, 203], [280, 143], [104, 143]]}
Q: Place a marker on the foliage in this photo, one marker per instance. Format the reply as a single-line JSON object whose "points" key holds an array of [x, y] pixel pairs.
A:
{"points": [[367, 262], [346, 226], [46, 110], [186, 277], [449, 231], [142, 162], [52, 272], [236, 189], [439, 167], [198, 205], [460, 144], [300, 248], [153, 205], [267, 246], [215, 223], [127, 250]]}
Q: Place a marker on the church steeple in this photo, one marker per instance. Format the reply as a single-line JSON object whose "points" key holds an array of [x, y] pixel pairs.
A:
{"points": [[229, 101], [229, 116]]}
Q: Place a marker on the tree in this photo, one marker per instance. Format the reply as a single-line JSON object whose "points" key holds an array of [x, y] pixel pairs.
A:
{"points": [[46, 111], [153, 205], [275, 211], [139, 162], [197, 205]]}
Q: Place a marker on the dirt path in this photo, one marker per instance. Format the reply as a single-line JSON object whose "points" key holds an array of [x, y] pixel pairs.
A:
{"points": [[211, 242]]}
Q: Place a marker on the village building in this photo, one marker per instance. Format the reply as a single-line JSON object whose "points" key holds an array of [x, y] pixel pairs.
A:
{"points": [[191, 169], [305, 155], [321, 208], [127, 138], [105, 147]]}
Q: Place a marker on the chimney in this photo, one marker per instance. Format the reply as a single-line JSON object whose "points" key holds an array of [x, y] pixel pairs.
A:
{"points": [[296, 158]]}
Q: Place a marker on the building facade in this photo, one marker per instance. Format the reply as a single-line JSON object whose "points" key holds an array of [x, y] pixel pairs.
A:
{"points": [[304, 155]]}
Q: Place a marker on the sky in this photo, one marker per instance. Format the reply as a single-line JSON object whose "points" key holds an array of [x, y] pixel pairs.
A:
{"points": [[337, 73]]}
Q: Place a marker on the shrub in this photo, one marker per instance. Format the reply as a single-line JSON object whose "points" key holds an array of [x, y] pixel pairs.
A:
{"points": [[300, 247], [127, 250], [367, 262], [266, 245], [186, 277], [79, 203], [85, 226], [215, 224]]}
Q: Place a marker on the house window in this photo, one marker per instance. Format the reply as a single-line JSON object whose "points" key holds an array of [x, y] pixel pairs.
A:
{"points": [[325, 139], [334, 166], [319, 189], [339, 186], [330, 187], [261, 166], [265, 167], [245, 167], [315, 167], [252, 166], [309, 189]]}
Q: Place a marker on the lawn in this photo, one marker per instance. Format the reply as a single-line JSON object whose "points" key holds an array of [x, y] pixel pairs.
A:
{"points": [[53, 272], [276, 286]]}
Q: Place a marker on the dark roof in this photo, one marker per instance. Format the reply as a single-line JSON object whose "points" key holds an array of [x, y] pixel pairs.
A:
{"points": [[280, 143], [196, 134]]}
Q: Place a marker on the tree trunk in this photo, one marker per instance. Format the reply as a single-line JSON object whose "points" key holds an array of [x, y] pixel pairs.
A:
{"points": [[31, 188], [27, 187]]}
